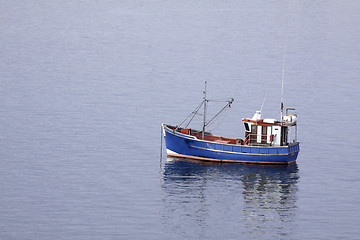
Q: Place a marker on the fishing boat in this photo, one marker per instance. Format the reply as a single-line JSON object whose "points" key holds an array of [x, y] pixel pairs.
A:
{"points": [[266, 140]]}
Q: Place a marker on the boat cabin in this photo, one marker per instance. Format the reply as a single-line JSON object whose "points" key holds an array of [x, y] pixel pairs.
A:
{"points": [[268, 131]]}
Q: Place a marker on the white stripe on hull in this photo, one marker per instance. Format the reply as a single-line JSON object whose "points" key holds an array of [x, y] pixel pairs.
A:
{"points": [[169, 152]]}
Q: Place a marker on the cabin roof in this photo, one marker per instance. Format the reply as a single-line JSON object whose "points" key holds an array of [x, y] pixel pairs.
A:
{"points": [[261, 122]]}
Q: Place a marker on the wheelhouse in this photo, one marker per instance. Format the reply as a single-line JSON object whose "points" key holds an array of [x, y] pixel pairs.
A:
{"points": [[269, 131]]}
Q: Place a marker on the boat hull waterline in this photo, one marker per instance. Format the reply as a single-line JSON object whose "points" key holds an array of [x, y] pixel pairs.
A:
{"points": [[187, 146]]}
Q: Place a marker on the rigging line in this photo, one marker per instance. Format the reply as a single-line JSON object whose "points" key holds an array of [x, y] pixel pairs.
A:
{"points": [[218, 100], [219, 122], [194, 112], [227, 105]]}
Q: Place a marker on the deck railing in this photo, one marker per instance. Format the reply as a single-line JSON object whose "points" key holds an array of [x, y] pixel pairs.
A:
{"points": [[252, 140]]}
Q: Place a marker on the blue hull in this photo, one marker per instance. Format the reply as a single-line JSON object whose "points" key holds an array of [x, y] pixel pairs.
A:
{"points": [[183, 145]]}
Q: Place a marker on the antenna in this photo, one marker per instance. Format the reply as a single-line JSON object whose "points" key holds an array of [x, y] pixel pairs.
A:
{"points": [[262, 105], [282, 85]]}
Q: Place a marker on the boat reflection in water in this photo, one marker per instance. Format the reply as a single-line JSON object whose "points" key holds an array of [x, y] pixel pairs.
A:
{"points": [[245, 200]]}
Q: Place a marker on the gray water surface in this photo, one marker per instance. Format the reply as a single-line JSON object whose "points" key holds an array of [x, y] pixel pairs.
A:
{"points": [[85, 85]]}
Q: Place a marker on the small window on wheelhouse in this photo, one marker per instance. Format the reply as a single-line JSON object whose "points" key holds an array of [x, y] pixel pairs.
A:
{"points": [[264, 130], [247, 127], [254, 129]]}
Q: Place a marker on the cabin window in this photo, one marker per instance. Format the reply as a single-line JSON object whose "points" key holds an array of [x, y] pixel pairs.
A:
{"points": [[264, 130], [247, 127], [254, 129]]}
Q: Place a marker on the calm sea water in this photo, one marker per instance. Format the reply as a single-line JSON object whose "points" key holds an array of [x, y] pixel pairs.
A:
{"points": [[85, 85]]}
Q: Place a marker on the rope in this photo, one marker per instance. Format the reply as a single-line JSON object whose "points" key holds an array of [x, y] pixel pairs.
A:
{"points": [[192, 113], [219, 122]]}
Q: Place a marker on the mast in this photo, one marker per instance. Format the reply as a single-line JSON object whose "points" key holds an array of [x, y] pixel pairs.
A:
{"points": [[204, 117], [282, 87]]}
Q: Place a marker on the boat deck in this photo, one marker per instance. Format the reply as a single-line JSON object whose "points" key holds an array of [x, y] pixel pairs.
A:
{"points": [[208, 136]]}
